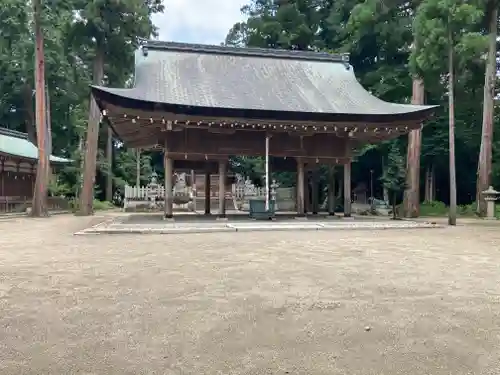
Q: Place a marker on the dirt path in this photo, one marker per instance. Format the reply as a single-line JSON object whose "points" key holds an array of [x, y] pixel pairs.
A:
{"points": [[387, 302]]}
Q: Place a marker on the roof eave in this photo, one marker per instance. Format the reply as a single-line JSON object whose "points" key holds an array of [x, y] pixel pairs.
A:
{"points": [[103, 97], [61, 161]]}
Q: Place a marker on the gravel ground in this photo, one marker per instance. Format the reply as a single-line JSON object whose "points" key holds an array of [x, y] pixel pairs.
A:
{"points": [[423, 301]]}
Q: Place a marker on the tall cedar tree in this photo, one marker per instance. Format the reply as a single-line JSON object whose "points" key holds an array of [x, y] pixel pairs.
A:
{"points": [[110, 28], [450, 27], [484, 168]]}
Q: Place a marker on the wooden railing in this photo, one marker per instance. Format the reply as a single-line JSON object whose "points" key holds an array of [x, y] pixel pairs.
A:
{"points": [[22, 204], [188, 198]]}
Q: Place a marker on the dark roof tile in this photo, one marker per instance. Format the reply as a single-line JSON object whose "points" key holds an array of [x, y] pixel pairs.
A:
{"points": [[252, 79]]}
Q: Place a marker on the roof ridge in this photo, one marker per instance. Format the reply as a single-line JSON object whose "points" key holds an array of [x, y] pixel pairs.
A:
{"points": [[13, 133], [243, 51]]}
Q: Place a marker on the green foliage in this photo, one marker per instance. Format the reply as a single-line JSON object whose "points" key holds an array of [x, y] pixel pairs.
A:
{"points": [[292, 24], [435, 22], [59, 188], [126, 168], [70, 47], [394, 175], [102, 205], [439, 209], [433, 208], [388, 42], [97, 204]]}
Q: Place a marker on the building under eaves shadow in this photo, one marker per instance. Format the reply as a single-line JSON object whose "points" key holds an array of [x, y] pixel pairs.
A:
{"points": [[18, 165], [204, 103]]}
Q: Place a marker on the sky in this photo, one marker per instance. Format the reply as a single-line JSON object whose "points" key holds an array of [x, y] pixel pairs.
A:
{"points": [[198, 21]]}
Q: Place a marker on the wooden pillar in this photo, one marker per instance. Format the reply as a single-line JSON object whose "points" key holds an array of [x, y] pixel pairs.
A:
{"points": [[269, 196], [300, 188], [222, 188], [207, 190], [109, 157], [306, 190], [169, 186], [2, 178], [331, 190], [194, 190], [315, 192], [347, 189]]}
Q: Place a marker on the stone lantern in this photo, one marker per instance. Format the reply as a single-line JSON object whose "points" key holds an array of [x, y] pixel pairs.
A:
{"points": [[273, 191], [152, 190], [490, 196], [153, 179]]}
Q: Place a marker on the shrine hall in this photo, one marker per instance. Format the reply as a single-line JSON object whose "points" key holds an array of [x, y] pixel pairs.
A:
{"points": [[202, 104]]}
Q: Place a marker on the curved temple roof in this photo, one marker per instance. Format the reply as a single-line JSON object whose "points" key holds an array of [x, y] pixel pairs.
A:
{"points": [[253, 80]]}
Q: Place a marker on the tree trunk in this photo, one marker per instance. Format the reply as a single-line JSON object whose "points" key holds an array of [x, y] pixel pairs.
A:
{"points": [[452, 214], [30, 118], [394, 206], [90, 156], [411, 200], [340, 193], [385, 191], [109, 157], [40, 207], [485, 153], [48, 133], [429, 184], [48, 121], [80, 170], [433, 183]]}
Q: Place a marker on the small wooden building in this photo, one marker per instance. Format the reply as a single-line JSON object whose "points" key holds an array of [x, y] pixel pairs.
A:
{"points": [[18, 163], [202, 104]]}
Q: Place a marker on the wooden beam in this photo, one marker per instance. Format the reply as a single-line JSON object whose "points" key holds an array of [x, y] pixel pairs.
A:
{"points": [[158, 116]]}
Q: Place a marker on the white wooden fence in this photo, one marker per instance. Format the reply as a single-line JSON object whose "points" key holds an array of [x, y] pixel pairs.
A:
{"points": [[185, 198], [151, 195], [285, 197]]}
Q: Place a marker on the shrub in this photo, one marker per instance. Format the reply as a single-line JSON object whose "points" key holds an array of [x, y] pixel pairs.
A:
{"points": [[436, 208], [97, 204], [433, 208]]}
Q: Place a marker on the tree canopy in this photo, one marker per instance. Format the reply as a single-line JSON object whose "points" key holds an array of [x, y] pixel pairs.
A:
{"points": [[389, 42], [380, 37]]}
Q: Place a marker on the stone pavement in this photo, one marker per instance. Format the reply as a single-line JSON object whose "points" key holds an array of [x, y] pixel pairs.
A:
{"points": [[191, 224]]}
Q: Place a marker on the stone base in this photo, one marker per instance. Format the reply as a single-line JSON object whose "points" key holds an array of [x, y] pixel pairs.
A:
{"points": [[221, 218], [490, 218], [250, 226], [347, 218], [333, 217], [301, 218]]}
